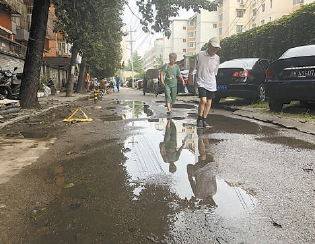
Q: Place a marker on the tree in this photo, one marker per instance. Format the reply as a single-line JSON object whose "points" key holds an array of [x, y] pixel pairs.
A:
{"points": [[34, 55], [80, 19], [137, 63], [94, 29], [159, 62]]}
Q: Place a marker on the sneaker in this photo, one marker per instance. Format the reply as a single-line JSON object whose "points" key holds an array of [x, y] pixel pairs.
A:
{"points": [[205, 124], [199, 123], [169, 112]]}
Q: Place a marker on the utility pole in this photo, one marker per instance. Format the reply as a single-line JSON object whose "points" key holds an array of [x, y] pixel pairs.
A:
{"points": [[131, 56]]}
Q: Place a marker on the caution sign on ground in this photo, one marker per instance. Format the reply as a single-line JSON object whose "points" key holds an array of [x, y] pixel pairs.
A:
{"points": [[75, 119]]}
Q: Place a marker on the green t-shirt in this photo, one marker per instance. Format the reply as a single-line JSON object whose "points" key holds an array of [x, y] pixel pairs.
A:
{"points": [[171, 74]]}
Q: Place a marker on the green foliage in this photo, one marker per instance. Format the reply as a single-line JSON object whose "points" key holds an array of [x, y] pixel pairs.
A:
{"points": [[272, 39], [159, 62], [137, 63], [94, 27], [42, 81]]}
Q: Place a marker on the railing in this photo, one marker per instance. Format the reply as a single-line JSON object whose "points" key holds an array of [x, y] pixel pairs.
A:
{"points": [[14, 49]]}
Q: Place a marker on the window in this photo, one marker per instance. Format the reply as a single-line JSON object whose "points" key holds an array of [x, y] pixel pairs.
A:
{"points": [[220, 17], [297, 1], [239, 28], [184, 27], [191, 23], [239, 13], [220, 31], [262, 22], [270, 3], [215, 25], [190, 34], [191, 44], [184, 40], [254, 11], [240, 1], [184, 50], [263, 7]]}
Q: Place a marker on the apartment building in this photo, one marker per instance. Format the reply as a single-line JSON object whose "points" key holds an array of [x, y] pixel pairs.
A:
{"points": [[14, 33], [232, 17], [151, 57], [187, 37], [237, 16], [15, 23]]}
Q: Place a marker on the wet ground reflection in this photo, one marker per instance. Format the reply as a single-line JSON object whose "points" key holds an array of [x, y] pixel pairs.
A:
{"points": [[177, 155]]}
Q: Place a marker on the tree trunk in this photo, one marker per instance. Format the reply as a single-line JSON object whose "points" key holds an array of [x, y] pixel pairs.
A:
{"points": [[82, 88], [34, 55], [70, 83]]}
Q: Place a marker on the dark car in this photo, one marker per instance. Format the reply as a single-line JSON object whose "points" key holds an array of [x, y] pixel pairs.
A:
{"points": [[291, 78], [242, 77]]}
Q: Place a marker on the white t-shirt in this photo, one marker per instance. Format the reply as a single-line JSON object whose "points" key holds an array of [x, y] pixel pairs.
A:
{"points": [[207, 69]]}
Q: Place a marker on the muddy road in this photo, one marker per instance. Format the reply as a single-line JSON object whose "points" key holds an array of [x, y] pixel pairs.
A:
{"points": [[132, 175]]}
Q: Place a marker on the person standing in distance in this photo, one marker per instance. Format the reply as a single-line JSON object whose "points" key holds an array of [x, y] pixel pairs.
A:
{"points": [[206, 64], [168, 78]]}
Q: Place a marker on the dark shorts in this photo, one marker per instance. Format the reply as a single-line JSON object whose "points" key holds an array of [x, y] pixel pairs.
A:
{"points": [[205, 93]]}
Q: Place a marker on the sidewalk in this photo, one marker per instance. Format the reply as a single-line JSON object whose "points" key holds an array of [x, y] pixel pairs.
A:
{"points": [[47, 103], [259, 114]]}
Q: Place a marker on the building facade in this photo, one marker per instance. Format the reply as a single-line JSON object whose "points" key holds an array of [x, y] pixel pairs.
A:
{"points": [[232, 16], [15, 23]]}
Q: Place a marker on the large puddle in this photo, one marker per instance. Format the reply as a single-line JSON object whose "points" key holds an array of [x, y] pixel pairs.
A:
{"points": [[177, 155]]}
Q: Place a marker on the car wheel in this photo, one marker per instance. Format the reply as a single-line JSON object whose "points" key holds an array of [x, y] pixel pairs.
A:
{"points": [[261, 93], [275, 105]]}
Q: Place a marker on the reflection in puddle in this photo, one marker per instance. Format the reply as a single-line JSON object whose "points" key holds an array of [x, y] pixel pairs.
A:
{"points": [[172, 154], [133, 109]]}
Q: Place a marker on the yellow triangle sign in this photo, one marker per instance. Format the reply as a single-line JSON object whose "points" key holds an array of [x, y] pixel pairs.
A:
{"points": [[70, 118]]}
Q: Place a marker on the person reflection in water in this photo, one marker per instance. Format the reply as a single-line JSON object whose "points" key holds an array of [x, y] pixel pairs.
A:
{"points": [[202, 175], [168, 148]]}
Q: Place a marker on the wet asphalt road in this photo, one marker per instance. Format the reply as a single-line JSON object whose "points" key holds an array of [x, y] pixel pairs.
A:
{"points": [[152, 179]]}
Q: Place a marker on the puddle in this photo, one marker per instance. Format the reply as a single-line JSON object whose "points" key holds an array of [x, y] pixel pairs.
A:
{"points": [[172, 155], [130, 110]]}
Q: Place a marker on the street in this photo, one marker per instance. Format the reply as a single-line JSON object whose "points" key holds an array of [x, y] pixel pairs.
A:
{"points": [[133, 175]]}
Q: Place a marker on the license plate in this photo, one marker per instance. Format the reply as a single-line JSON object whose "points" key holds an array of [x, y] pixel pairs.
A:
{"points": [[302, 73], [221, 87]]}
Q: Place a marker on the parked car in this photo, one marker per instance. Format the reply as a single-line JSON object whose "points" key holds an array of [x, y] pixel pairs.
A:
{"points": [[242, 77], [291, 78]]}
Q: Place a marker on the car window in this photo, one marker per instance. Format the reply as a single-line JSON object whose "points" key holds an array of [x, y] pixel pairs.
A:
{"points": [[302, 51], [244, 63]]}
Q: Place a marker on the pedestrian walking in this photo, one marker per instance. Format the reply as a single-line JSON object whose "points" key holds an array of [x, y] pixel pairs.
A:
{"points": [[168, 78], [118, 83], [206, 64]]}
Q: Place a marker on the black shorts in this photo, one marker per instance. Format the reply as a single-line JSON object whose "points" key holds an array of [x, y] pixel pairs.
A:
{"points": [[205, 93]]}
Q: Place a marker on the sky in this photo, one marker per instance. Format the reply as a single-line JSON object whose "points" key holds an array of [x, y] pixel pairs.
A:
{"points": [[141, 41]]}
